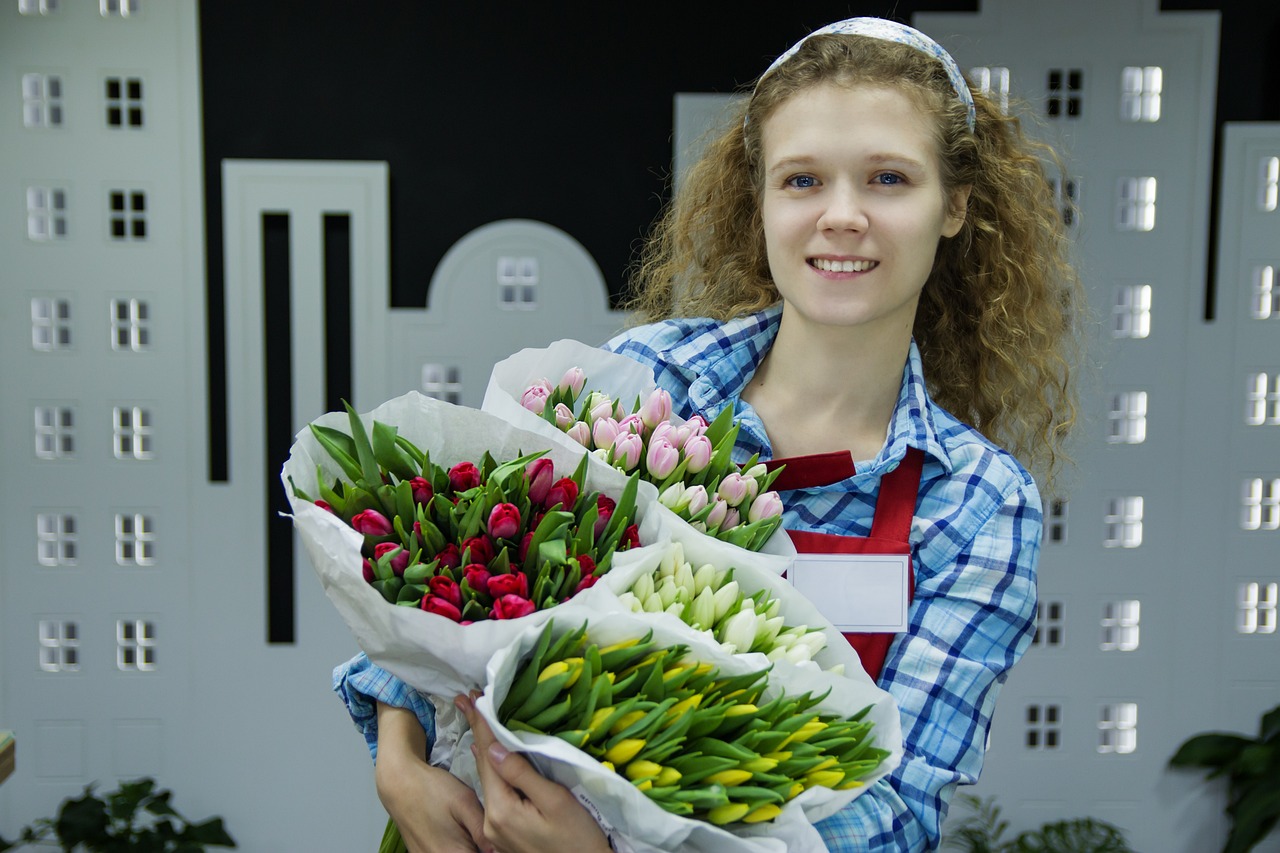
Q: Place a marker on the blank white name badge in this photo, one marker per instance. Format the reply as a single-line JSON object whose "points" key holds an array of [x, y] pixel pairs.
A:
{"points": [[857, 592]]}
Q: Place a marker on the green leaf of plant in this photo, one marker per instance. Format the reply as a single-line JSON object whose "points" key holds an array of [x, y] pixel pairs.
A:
{"points": [[1255, 815], [340, 448], [369, 470], [1213, 750]]}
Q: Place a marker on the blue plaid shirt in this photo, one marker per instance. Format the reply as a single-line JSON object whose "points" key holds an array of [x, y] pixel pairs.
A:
{"points": [[975, 540]]}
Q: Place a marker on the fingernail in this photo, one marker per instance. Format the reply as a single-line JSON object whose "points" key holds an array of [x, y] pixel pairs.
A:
{"points": [[497, 752]]}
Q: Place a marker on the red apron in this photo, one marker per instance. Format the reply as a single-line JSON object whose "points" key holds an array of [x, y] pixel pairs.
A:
{"points": [[890, 526]]}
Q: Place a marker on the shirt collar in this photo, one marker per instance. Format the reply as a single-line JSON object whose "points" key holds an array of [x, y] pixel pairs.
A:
{"points": [[725, 358]]}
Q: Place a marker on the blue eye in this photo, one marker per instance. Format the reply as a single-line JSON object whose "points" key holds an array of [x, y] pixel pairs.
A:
{"points": [[802, 182], [888, 179]]}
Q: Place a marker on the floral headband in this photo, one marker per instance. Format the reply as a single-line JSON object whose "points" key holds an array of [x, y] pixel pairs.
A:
{"points": [[879, 28]]}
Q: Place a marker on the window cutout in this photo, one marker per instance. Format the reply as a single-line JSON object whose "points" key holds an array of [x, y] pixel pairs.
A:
{"points": [[55, 432], [118, 8], [130, 325], [1266, 296], [442, 383], [1140, 89], [1269, 185], [1067, 192], [127, 216], [37, 7], [46, 213], [1058, 521], [1124, 523], [1050, 624], [132, 432], [56, 539], [1136, 204], [135, 645], [1261, 504], [50, 323], [992, 81], [1262, 400], [518, 283], [1256, 611], [41, 100], [1118, 728], [59, 645], [123, 97], [1065, 86], [1044, 727], [1131, 312], [1128, 418], [135, 540], [1120, 625]]}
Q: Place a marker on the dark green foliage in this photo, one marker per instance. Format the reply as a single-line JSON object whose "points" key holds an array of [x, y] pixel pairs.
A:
{"points": [[983, 832], [136, 818], [1252, 768]]}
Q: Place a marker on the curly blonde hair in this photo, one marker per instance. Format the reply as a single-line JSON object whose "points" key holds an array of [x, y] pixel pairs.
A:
{"points": [[997, 319]]}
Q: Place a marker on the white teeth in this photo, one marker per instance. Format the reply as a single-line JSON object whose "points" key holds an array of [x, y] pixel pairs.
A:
{"points": [[843, 266]]}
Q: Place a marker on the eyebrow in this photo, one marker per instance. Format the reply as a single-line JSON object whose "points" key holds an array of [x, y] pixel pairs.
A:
{"points": [[803, 161]]}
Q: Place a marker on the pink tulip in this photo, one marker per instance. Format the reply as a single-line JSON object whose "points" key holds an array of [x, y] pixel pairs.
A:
{"points": [[633, 424], [677, 435], [440, 607], [662, 458], [372, 523], [504, 521], [422, 493], [715, 518], [695, 499], [512, 607], [698, 424], [599, 406], [463, 476], [604, 431], [731, 519], [656, 409], [626, 450], [564, 416], [573, 381], [767, 505], [580, 433], [564, 492], [445, 587], [477, 577], [534, 398], [735, 489], [541, 473], [399, 562], [698, 450], [512, 584]]}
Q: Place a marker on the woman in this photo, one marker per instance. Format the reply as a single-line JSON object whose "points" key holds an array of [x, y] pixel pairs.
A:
{"points": [[869, 222]]}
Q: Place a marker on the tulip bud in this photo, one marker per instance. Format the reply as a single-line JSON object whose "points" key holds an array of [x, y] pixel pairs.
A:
{"points": [[586, 582], [726, 599], [716, 517], [698, 424], [534, 398], [564, 416], [767, 505], [704, 578], [672, 495], [477, 577], [656, 408], [515, 583], [399, 562], [324, 505], [463, 476], [604, 431], [599, 406], [643, 587], [696, 498], [504, 521], [627, 448], [511, 607], [662, 458], [629, 601], [541, 474], [580, 433], [573, 381], [440, 607], [605, 506], [632, 424], [450, 556], [445, 587], [735, 488], [703, 612], [698, 452], [372, 523], [366, 570], [630, 537], [653, 604], [421, 490], [731, 519], [667, 591], [564, 492], [740, 629]]}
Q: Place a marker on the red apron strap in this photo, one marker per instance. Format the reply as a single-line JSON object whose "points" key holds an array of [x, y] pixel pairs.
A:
{"points": [[813, 471], [896, 504]]}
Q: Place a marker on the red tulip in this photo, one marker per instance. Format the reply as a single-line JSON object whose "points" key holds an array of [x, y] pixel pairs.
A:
{"points": [[463, 476], [515, 583], [630, 538], [604, 511], [449, 557], [504, 521], [440, 607], [512, 607], [525, 542], [564, 492], [477, 577], [399, 562], [367, 571], [421, 490], [324, 505], [587, 582], [586, 564], [372, 523], [541, 474], [447, 588], [481, 549]]}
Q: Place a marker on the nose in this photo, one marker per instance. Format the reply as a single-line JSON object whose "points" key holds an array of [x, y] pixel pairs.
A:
{"points": [[845, 210]]}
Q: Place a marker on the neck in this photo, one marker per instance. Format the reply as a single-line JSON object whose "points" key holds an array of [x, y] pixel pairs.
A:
{"points": [[825, 389]]}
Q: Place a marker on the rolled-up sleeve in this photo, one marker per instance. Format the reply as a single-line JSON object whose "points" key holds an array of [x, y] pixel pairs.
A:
{"points": [[362, 685]]}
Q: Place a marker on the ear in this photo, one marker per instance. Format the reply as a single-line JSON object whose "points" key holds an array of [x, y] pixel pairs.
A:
{"points": [[957, 208]]}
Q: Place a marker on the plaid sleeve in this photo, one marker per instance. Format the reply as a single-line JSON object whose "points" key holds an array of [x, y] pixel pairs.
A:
{"points": [[362, 685], [971, 620]]}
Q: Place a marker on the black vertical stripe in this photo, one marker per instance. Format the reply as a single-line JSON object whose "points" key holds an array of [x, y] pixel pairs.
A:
{"points": [[278, 406], [337, 310]]}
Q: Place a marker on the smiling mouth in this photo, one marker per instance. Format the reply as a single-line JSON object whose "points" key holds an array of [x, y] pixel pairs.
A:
{"points": [[842, 266]]}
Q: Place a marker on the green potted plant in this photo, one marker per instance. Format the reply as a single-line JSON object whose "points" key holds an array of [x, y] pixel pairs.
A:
{"points": [[1252, 768], [982, 831], [113, 825]]}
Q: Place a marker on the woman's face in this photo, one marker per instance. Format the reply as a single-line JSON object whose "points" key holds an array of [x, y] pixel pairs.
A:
{"points": [[853, 206]]}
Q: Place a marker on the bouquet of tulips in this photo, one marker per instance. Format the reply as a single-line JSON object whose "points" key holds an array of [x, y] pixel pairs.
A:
{"points": [[689, 463], [471, 542], [675, 745]]}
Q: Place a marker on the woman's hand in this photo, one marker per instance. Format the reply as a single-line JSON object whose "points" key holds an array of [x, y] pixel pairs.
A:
{"points": [[524, 811], [435, 812]]}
